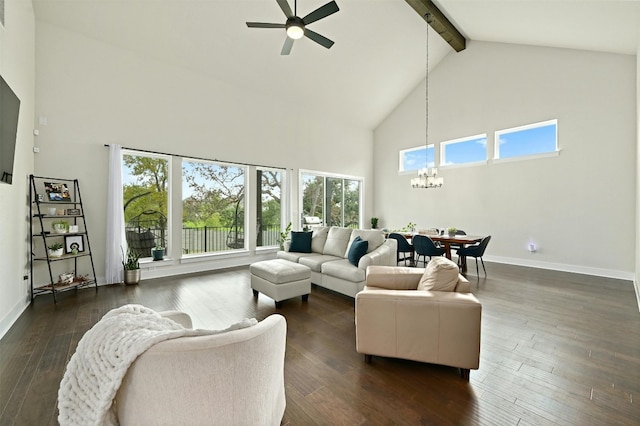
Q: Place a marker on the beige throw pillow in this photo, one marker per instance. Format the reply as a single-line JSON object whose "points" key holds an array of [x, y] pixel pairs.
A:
{"points": [[441, 275]]}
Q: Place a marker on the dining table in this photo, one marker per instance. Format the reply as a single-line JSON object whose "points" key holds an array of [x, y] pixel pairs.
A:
{"points": [[447, 240]]}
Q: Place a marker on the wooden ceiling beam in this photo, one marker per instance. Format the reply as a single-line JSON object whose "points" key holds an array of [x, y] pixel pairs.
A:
{"points": [[434, 17]]}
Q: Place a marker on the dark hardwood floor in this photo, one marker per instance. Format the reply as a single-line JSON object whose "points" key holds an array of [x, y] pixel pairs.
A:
{"points": [[557, 348]]}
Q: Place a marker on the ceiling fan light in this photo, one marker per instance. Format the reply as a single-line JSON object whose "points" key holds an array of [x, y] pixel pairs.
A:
{"points": [[295, 31]]}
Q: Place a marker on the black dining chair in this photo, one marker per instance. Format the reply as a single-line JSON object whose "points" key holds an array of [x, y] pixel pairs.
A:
{"points": [[424, 246], [404, 247], [476, 251], [456, 245]]}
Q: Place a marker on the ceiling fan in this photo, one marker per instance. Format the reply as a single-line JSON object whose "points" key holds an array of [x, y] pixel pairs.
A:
{"points": [[296, 27]]}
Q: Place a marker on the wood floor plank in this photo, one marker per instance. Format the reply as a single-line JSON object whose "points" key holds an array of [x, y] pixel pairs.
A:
{"points": [[556, 348]]}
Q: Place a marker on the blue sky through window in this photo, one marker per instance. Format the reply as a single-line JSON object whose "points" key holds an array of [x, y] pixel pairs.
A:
{"points": [[528, 140], [415, 159], [467, 150]]}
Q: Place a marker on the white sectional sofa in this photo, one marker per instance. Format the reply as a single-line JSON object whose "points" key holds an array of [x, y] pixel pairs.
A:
{"points": [[328, 257]]}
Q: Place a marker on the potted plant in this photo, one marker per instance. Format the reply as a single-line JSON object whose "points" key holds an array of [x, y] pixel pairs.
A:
{"points": [[451, 231], [374, 223], [131, 264], [55, 250], [284, 236], [60, 227], [157, 252]]}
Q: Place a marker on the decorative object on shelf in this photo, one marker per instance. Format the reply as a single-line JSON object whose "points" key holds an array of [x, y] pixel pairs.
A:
{"points": [[55, 250], [60, 227], [51, 211], [426, 178], [451, 231], [157, 253], [374, 223], [40, 198], [66, 278], [73, 228], [57, 191], [73, 244], [131, 264], [72, 212], [284, 236]]}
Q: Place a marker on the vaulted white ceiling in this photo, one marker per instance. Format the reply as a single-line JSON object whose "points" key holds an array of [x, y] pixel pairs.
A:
{"points": [[379, 51]]}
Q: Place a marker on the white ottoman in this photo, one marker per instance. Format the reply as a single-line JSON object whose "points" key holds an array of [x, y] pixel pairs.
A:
{"points": [[280, 279]]}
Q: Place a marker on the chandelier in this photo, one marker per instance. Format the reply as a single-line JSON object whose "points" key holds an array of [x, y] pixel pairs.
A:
{"points": [[427, 178]]}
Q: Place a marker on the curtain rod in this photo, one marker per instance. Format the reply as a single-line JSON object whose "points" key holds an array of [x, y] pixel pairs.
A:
{"points": [[199, 158]]}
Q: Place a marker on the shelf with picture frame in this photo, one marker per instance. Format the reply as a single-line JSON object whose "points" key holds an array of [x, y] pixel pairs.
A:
{"points": [[57, 220]]}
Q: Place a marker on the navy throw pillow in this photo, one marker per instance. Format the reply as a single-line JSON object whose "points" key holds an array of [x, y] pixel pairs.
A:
{"points": [[358, 249], [300, 242]]}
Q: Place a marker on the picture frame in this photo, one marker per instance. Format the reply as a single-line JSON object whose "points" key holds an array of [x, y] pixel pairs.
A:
{"points": [[72, 212], [73, 242], [57, 191]]}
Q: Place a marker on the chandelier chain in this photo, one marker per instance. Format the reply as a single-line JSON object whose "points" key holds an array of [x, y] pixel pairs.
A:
{"points": [[426, 96]]}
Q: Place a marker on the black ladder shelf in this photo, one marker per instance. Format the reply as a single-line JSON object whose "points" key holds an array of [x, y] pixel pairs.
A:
{"points": [[58, 201]]}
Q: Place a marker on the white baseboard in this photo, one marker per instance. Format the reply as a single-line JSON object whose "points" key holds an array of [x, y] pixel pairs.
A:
{"points": [[599, 272]]}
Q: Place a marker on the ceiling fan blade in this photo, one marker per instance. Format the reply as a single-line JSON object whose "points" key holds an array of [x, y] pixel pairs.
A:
{"points": [[286, 48], [284, 5], [321, 40], [264, 25], [321, 12]]}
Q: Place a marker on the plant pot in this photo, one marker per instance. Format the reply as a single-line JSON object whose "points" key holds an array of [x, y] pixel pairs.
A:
{"points": [[157, 254], [55, 253], [59, 229], [131, 276]]}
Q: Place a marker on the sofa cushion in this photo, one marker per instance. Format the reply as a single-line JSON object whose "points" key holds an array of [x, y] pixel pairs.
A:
{"points": [[316, 260], [337, 241], [441, 274], [300, 242], [357, 249], [374, 237], [344, 270], [319, 238], [291, 256]]}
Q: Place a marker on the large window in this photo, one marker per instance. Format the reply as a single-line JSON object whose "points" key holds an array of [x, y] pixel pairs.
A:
{"points": [[532, 139], [213, 207], [472, 149], [146, 200], [269, 206], [413, 159], [335, 200]]}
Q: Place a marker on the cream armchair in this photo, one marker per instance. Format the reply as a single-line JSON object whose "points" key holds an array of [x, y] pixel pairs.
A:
{"points": [[394, 319], [233, 378]]}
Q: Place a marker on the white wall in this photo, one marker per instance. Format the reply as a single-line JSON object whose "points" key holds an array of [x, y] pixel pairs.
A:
{"points": [[92, 93], [577, 207], [17, 67]]}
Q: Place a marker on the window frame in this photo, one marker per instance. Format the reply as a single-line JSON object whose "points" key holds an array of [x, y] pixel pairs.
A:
{"points": [[498, 133]]}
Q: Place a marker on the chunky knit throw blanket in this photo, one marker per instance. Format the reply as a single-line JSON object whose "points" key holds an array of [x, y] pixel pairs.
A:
{"points": [[103, 356]]}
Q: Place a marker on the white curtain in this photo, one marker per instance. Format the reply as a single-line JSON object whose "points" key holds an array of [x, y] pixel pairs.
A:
{"points": [[115, 238]]}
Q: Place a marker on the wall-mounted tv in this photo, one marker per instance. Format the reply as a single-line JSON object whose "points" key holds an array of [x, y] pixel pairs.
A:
{"points": [[9, 109]]}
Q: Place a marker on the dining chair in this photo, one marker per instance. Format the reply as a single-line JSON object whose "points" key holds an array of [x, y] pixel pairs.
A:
{"points": [[404, 247], [456, 245], [476, 251], [424, 246]]}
